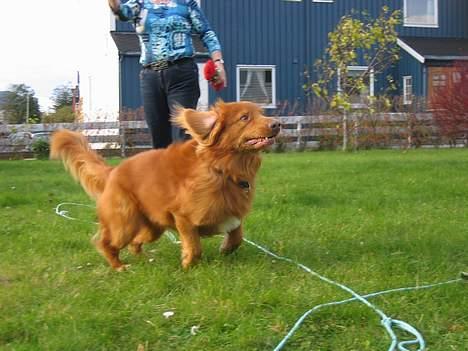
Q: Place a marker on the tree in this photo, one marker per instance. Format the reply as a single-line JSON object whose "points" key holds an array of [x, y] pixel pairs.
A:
{"points": [[62, 96], [358, 40], [63, 114], [450, 105], [21, 105]]}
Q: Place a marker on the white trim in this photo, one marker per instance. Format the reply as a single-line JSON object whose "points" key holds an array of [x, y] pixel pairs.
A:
{"points": [[203, 101], [449, 58], [405, 92], [371, 82], [422, 25], [325, 1], [410, 51], [273, 82], [357, 68]]}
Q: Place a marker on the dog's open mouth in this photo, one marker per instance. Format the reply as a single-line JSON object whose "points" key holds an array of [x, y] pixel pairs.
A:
{"points": [[258, 143]]}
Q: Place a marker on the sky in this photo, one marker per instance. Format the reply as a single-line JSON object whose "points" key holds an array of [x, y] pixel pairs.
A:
{"points": [[44, 43]]}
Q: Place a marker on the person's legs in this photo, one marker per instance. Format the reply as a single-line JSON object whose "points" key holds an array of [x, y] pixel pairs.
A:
{"points": [[182, 90], [156, 109]]}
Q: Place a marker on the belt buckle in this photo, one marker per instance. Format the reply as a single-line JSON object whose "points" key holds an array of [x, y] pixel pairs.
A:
{"points": [[159, 65]]}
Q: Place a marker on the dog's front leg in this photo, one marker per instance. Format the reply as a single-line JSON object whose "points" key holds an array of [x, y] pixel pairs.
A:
{"points": [[232, 241], [190, 240]]}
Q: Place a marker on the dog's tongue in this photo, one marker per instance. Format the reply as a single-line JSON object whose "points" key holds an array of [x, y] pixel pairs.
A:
{"points": [[260, 142]]}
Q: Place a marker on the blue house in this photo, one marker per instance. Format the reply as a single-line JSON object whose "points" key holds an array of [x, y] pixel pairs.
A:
{"points": [[268, 44]]}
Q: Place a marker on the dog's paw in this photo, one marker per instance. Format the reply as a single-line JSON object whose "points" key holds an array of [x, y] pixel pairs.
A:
{"points": [[227, 250], [187, 263], [122, 268], [135, 249]]}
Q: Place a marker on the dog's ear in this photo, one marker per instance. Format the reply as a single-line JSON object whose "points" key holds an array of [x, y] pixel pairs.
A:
{"points": [[197, 123]]}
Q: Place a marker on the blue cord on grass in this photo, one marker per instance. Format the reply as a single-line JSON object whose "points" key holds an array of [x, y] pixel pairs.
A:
{"points": [[387, 322]]}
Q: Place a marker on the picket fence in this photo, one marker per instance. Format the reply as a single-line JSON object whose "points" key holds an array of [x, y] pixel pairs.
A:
{"points": [[386, 130]]}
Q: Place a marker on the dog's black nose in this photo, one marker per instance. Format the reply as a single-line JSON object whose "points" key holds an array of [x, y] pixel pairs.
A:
{"points": [[275, 125]]}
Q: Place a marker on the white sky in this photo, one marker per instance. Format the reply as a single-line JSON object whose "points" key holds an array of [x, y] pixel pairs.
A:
{"points": [[44, 43]]}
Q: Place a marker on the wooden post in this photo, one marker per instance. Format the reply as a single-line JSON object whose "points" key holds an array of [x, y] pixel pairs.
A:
{"points": [[299, 136], [356, 132], [122, 141], [409, 118], [345, 130]]}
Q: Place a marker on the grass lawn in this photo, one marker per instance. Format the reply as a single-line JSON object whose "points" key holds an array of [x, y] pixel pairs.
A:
{"points": [[372, 220]]}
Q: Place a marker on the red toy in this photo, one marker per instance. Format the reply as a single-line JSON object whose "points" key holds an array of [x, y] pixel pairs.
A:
{"points": [[212, 75]]}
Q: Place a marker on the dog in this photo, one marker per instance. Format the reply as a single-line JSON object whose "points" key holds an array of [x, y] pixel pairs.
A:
{"points": [[201, 187]]}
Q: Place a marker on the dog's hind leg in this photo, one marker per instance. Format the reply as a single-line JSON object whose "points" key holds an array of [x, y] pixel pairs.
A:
{"points": [[146, 234], [232, 241], [109, 250], [190, 241]]}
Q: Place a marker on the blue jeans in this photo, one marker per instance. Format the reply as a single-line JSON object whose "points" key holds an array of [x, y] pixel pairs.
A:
{"points": [[164, 90]]}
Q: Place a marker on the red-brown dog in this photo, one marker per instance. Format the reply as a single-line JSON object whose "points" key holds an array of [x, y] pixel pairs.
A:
{"points": [[201, 187]]}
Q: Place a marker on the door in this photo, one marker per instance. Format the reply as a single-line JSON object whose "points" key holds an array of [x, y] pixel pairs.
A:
{"points": [[440, 79]]}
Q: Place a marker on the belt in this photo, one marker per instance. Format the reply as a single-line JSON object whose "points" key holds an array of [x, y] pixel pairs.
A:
{"points": [[162, 64]]}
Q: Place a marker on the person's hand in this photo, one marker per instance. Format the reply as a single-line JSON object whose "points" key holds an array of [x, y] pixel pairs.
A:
{"points": [[114, 5], [221, 76]]}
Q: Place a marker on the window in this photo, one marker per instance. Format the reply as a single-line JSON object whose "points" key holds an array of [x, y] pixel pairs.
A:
{"points": [[358, 99], [439, 80], [421, 13], [407, 90], [257, 84]]}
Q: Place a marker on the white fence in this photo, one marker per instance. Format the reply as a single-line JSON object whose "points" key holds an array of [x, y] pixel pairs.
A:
{"points": [[390, 130]]}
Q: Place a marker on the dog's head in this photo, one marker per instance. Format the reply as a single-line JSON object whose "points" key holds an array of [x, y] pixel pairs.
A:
{"points": [[235, 126]]}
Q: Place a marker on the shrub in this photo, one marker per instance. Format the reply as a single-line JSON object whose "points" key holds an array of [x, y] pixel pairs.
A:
{"points": [[450, 106], [63, 114], [41, 148]]}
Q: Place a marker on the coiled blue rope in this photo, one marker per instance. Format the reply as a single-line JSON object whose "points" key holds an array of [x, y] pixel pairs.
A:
{"points": [[388, 323]]}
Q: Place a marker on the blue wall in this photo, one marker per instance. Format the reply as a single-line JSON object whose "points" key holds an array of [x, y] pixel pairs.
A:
{"points": [[409, 66], [130, 83], [291, 36]]}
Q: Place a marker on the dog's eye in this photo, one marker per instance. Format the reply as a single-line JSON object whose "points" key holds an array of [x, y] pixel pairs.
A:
{"points": [[244, 118]]}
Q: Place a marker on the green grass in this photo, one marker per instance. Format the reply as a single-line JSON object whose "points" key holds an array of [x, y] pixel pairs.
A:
{"points": [[372, 220]]}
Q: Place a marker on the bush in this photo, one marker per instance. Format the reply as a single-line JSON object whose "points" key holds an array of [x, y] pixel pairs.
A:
{"points": [[41, 148], [451, 106], [63, 114]]}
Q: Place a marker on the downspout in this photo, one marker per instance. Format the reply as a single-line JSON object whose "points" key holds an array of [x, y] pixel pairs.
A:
{"points": [[424, 80], [120, 82]]}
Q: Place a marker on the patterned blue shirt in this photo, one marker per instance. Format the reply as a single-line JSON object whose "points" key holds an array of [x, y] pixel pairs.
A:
{"points": [[165, 30]]}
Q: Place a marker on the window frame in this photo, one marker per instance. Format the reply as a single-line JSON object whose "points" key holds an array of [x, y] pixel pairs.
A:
{"points": [[430, 25], [273, 83], [371, 82], [407, 100]]}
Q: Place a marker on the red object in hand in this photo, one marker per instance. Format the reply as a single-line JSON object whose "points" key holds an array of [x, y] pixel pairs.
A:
{"points": [[212, 75]]}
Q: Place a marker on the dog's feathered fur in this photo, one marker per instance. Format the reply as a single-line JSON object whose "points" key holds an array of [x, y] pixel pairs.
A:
{"points": [[203, 186]]}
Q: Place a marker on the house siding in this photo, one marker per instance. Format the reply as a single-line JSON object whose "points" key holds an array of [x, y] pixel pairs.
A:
{"points": [[292, 36], [409, 66], [130, 72]]}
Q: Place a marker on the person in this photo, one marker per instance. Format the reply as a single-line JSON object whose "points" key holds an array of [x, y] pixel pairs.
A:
{"points": [[169, 77]]}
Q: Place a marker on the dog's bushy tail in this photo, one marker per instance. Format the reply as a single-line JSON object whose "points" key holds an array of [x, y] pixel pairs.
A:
{"points": [[84, 164]]}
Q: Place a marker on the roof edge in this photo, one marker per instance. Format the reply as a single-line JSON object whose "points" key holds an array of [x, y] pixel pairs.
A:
{"points": [[410, 50]]}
